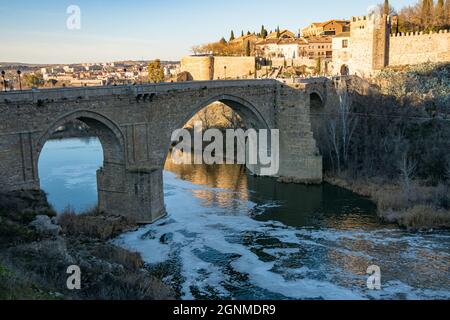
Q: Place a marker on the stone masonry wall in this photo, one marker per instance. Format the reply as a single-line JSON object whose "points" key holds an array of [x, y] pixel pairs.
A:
{"points": [[203, 68], [236, 67], [415, 48], [200, 68]]}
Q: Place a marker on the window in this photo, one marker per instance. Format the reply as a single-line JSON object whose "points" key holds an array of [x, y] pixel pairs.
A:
{"points": [[344, 43]]}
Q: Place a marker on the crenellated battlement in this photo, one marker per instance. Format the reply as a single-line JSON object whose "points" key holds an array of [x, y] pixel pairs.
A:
{"points": [[370, 18], [418, 34]]}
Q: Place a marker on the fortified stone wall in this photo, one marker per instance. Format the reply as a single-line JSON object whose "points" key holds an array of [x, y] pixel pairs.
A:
{"points": [[236, 67], [200, 68], [371, 47], [415, 48], [203, 68], [297, 62]]}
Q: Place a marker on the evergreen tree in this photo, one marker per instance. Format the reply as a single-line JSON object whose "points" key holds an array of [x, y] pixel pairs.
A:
{"points": [[223, 41], [447, 13], [232, 36], [278, 32], [426, 13], [247, 49], [248, 33], [440, 14], [386, 8], [263, 32], [242, 33]]}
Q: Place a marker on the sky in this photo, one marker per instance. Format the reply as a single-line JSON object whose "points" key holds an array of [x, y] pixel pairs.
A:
{"points": [[37, 32]]}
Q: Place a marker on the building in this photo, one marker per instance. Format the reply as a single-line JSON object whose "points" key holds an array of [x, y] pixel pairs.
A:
{"points": [[327, 28], [341, 53], [293, 48], [317, 47], [278, 48]]}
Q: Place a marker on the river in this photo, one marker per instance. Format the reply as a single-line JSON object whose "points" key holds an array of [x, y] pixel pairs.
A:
{"points": [[229, 235]]}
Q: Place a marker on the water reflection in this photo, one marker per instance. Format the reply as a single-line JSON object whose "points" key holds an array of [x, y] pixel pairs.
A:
{"points": [[318, 206]]}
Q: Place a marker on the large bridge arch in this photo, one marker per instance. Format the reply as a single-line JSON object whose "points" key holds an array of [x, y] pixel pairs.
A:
{"points": [[247, 110], [112, 188], [108, 132], [250, 114]]}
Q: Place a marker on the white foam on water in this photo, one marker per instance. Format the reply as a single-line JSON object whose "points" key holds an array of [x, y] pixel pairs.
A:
{"points": [[193, 228]]}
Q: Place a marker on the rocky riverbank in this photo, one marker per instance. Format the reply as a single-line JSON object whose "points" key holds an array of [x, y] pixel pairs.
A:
{"points": [[37, 247], [420, 207]]}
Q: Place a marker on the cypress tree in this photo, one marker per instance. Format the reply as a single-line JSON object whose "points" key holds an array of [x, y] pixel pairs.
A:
{"points": [[426, 13], [440, 14], [247, 48], [263, 32], [232, 35], [386, 8], [447, 13]]}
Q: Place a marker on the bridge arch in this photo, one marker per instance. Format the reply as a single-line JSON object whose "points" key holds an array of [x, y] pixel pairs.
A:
{"points": [[111, 177], [106, 130], [345, 70], [316, 100], [248, 112]]}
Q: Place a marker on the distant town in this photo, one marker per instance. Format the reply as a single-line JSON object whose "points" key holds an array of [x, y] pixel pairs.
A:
{"points": [[360, 46]]}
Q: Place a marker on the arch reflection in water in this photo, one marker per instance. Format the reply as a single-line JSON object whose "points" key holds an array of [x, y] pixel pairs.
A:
{"points": [[231, 187], [67, 170]]}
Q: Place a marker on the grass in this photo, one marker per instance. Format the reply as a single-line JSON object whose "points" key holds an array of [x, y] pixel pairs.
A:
{"points": [[94, 224], [420, 207], [420, 217], [16, 287]]}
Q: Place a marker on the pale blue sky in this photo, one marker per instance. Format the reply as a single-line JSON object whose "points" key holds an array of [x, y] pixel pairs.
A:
{"points": [[36, 32]]}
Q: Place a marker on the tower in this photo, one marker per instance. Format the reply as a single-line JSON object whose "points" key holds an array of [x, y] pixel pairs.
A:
{"points": [[381, 37], [369, 44]]}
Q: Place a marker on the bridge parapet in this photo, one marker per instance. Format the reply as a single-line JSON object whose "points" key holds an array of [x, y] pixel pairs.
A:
{"points": [[73, 93]]}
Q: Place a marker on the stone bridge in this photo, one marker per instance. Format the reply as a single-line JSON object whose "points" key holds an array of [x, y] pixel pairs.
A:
{"points": [[135, 124]]}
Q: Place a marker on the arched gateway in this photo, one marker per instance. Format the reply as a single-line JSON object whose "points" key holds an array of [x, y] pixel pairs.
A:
{"points": [[134, 125]]}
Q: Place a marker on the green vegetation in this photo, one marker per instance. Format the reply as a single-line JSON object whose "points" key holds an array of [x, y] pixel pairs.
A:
{"points": [[247, 48], [155, 71], [33, 79], [232, 36], [263, 34]]}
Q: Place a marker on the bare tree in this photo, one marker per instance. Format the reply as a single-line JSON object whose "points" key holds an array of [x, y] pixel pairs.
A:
{"points": [[447, 173], [206, 118], [196, 49], [407, 168], [233, 119], [341, 127]]}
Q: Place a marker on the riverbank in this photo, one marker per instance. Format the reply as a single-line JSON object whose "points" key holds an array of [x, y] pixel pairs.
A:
{"points": [[421, 208], [37, 247]]}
